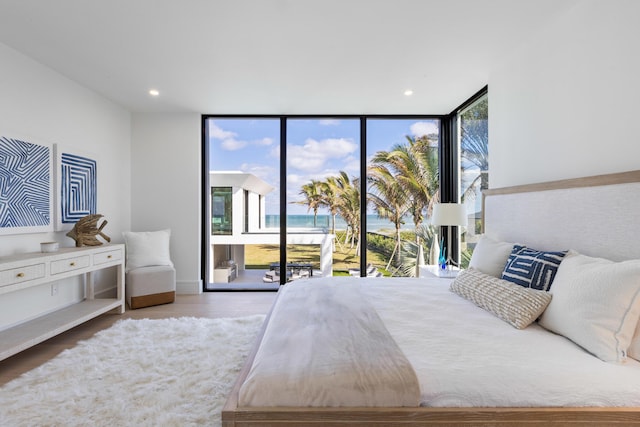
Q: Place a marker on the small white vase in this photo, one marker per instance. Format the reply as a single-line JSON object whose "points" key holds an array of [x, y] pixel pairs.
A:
{"points": [[434, 252]]}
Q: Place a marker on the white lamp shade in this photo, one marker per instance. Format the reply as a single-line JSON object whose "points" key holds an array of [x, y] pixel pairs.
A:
{"points": [[449, 214]]}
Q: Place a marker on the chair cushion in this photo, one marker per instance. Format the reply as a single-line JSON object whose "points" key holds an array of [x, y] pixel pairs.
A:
{"points": [[150, 280]]}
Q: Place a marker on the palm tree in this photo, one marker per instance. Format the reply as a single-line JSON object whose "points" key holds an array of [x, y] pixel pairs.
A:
{"points": [[312, 192], [341, 195], [474, 146], [416, 168], [388, 195], [347, 204], [331, 191], [409, 265]]}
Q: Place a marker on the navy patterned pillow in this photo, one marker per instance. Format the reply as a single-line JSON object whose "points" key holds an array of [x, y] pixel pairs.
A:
{"points": [[531, 268]]}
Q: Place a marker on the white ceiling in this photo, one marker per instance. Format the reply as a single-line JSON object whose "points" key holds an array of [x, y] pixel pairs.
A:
{"points": [[276, 56]]}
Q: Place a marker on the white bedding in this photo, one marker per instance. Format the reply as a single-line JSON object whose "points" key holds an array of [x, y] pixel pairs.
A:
{"points": [[466, 357], [463, 356]]}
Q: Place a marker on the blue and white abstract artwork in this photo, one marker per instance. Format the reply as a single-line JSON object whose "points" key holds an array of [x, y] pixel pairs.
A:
{"points": [[77, 188], [25, 187]]}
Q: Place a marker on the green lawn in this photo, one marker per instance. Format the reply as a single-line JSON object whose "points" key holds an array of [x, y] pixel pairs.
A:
{"points": [[260, 256]]}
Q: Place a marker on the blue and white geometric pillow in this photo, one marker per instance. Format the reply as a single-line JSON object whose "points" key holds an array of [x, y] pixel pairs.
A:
{"points": [[531, 268]]}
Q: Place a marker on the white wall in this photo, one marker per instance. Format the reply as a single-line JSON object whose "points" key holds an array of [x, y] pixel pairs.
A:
{"points": [[38, 103], [165, 181], [566, 103]]}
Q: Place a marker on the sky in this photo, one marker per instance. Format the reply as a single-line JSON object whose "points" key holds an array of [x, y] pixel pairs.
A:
{"points": [[316, 149]]}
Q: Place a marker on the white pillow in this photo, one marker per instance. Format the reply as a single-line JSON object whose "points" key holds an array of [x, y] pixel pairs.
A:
{"points": [[490, 256], [596, 304], [147, 248]]}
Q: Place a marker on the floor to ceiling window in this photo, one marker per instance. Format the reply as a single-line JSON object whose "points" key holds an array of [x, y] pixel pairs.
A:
{"points": [[291, 197], [323, 165], [244, 178], [403, 184], [473, 143]]}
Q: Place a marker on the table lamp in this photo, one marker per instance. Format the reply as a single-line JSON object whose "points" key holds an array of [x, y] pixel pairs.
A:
{"points": [[448, 215]]}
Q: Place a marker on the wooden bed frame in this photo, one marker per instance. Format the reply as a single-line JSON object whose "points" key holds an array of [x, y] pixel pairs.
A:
{"points": [[234, 416]]}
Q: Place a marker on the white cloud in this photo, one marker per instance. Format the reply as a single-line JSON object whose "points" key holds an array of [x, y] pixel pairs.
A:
{"points": [[352, 166], [314, 155], [217, 133], [419, 129], [329, 122], [295, 180], [230, 141], [232, 144], [264, 141], [274, 153]]}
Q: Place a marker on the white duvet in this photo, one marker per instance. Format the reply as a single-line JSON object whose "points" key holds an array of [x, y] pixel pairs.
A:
{"points": [[463, 356]]}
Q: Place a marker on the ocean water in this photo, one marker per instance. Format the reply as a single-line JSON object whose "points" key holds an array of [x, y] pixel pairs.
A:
{"points": [[373, 222]]}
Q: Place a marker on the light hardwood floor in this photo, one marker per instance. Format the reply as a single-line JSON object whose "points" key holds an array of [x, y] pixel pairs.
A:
{"points": [[208, 304]]}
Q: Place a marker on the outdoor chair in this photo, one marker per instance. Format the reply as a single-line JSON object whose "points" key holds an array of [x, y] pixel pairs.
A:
{"points": [[271, 276]]}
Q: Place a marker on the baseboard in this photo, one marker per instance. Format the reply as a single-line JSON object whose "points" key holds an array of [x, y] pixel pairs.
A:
{"points": [[182, 287], [189, 287]]}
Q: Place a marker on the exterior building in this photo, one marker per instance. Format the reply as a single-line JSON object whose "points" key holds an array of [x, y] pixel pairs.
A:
{"points": [[238, 218]]}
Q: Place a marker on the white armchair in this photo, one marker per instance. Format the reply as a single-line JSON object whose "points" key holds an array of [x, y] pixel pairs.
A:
{"points": [[150, 278]]}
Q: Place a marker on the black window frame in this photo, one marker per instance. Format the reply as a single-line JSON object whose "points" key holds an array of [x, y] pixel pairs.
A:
{"points": [[448, 159]]}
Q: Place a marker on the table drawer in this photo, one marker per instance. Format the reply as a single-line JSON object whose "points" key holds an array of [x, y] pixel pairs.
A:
{"points": [[21, 274], [69, 264], [107, 256]]}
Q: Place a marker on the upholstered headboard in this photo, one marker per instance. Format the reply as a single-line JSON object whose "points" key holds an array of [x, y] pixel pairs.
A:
{"points": [[597, 216]]}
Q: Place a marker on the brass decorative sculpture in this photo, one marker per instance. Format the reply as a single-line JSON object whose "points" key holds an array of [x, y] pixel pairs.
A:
{"points": [[84, 232]]}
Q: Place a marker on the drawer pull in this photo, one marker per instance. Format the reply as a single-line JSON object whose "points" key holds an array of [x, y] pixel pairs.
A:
{"points": [[20, 275], [72, 264]]}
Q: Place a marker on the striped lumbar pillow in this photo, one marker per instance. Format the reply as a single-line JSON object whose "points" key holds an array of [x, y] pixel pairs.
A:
{"points": [[516, 305]]}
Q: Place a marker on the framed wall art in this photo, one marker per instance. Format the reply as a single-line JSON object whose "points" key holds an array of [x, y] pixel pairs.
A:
{"points": [[76, 187], [26, 199]]}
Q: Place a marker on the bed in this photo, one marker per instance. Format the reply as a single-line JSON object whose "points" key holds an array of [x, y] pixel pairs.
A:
{"points": [[472, 367]]}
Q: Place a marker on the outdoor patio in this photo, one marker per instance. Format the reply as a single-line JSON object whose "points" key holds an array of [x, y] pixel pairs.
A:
{"points": [[251, 280]]}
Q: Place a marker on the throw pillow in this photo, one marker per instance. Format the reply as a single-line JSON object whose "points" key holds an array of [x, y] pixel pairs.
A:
{"points": [[147, 248], [531, 268], [514, 304], [596, 304], [490, 256]]}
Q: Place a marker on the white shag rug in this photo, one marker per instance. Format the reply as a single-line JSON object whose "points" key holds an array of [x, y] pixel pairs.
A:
{"points": [[165, 372]]}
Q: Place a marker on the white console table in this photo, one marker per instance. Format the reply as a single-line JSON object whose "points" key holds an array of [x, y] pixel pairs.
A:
{"points": [[33, 269]]}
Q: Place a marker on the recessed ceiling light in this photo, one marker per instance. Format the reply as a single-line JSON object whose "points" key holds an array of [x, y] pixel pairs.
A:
{"points": [[154, 92], [408, 92]]}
